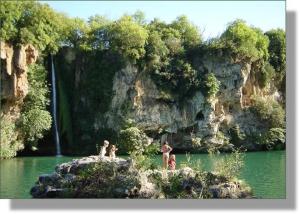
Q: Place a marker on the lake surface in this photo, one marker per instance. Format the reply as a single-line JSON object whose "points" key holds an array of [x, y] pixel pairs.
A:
{"points": [[263, 171]]}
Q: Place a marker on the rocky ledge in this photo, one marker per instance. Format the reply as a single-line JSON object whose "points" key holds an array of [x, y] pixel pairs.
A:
{"points": [[94, 177]]}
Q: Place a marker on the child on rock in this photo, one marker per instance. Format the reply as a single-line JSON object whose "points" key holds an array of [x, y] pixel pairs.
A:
{"points": [[103, 149], [172, 162], [112, 151]]}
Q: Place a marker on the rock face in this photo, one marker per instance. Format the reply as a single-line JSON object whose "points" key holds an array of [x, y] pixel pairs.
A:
{"points": [[194, 123], [94, 177], [137, 97], [14, 66]]}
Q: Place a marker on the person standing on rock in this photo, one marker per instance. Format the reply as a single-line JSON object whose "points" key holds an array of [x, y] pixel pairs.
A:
{"points": [[103, 149], [166, 149]]}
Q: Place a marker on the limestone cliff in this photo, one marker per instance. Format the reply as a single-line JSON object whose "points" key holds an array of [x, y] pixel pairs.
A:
{"points": [[137, 97], [14, 65], [104, 95]]}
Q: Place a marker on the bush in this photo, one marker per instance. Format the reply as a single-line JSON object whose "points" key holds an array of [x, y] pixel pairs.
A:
{"points": [[230, 165], [33, 124], [275, 137], [136, 143], [266, 75], [212, 85], [269, 111], [133, 140]]}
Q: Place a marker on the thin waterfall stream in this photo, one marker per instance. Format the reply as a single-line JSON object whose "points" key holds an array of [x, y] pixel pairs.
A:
{"points": [[54, 110]]}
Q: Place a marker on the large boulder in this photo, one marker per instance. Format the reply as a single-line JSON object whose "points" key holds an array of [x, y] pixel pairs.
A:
{"points": [[94, 177]]}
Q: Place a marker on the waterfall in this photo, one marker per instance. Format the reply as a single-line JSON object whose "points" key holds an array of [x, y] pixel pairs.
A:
{"points": [[56, 136]]}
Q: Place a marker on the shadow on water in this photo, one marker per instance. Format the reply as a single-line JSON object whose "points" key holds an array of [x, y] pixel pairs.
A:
{"points": [[288, 203]]}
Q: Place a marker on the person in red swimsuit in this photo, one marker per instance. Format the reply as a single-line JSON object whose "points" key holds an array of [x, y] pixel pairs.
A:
{"points": [[165, 149], [172, 162]]}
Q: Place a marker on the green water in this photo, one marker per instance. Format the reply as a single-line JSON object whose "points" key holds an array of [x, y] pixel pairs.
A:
{"points": [[263, 171]]}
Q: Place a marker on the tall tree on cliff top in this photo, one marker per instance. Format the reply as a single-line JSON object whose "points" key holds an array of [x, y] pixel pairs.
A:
{"points": [[128, 38], [277, 49], [245, 42], [189, 32]]}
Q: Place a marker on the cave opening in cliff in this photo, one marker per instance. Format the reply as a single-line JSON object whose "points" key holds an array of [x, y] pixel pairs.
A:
{"points": [[200, 116]]}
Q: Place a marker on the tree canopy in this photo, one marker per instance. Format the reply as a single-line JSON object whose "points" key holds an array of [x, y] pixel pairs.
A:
{"points": [[128, 37], [277, 49], [245, 41], [32, 22]]}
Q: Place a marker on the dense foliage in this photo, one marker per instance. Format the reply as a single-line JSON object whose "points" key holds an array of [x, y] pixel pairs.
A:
{"points": [[212, 85], [128, 37], [35, 118], [245, 42], [269, 111], [272, 114], [9, 142], [277, 52], [277, 49], [31, 22], [136, 143]]}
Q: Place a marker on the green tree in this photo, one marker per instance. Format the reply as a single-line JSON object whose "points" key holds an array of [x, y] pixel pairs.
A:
{"points": [[133, 139], [38, 94], [190, 35], [156, 51], [139, 17], [172, 39], [128, 38], [32, 22], [34, 124], [245, 42], [35, 120], [76, 33], [277, 49], [98, 32], [137, 144]]}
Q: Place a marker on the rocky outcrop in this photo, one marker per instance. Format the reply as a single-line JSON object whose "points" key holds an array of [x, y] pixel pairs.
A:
{"points": [[15, 61], [14, 87], [137, 97], [94, 177]]}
